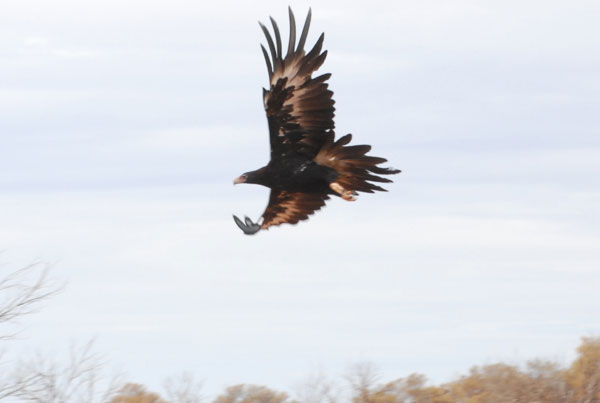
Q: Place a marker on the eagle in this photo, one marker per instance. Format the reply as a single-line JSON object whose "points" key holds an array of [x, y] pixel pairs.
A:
{"points": [[308, 164]]}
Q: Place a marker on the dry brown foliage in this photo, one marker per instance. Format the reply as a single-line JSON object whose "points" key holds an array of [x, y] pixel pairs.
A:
{"points": [[136, 393], [539, 382], [251, 394]]}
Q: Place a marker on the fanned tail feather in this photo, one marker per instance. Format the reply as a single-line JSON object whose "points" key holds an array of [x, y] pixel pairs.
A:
{"points": [[356, 169]]}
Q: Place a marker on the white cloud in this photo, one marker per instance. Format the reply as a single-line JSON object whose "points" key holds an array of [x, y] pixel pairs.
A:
{"points": [[204, 139], [36, 41]]}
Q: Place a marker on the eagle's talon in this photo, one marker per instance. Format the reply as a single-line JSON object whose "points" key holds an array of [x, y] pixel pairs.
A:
{"points": [[249, 227]]}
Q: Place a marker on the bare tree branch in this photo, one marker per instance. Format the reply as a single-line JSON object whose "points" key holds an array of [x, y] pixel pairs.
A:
{"points": [[45, 381], [184, 389], [21, 293], [362, 378], [317, 388]]}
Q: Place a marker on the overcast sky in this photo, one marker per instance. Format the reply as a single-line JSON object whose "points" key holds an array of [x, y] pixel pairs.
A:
{"points": [[123, 124]]}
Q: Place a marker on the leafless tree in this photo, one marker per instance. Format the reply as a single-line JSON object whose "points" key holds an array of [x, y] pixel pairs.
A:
{"points": [[43, 380], [184, 389], [362, 378], [317, 388], [22, 292], [39, 379]]}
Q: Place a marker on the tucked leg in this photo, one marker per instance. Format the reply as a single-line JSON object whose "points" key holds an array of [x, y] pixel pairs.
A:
{"points": [[345, 194]]}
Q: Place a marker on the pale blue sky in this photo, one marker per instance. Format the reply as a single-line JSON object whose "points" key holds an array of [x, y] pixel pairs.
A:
{"points": [[123, 125]]}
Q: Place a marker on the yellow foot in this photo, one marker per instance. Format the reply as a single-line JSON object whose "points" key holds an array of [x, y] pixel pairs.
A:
{"points": [[345, 194]]}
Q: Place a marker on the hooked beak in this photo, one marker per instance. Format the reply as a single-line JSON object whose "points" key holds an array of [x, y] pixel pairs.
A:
{"points": [[239, 180]]}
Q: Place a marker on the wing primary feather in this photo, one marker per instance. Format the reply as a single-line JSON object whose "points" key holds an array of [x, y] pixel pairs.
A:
{"points": [[317, 48], [269, 67], [304, 32], [277, 37], [292, 42], [270, 43], [320, 79]]}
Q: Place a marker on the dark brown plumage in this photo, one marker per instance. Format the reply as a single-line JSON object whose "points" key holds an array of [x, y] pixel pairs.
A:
{"points": [[307, 164]]}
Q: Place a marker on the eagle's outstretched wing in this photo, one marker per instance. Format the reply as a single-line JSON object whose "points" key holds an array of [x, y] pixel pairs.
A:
{"points": [[291, 207], [299, 108], [284, 207]]}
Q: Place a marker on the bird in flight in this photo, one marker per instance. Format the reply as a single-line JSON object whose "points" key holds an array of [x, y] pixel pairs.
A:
{"points": [[307, 163]]}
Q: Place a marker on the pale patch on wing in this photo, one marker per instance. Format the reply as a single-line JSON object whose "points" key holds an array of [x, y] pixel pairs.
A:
{"points": [[290, 70]]}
